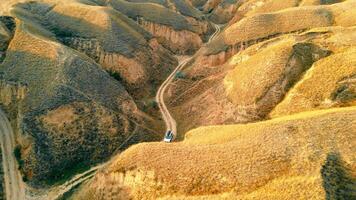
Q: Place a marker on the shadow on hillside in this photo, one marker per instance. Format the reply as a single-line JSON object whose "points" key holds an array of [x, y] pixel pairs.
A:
{"points": [[338, 181]]}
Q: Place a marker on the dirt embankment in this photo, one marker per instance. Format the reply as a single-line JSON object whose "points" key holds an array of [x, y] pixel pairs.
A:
{"points": [[179, 42], [279, 159]]}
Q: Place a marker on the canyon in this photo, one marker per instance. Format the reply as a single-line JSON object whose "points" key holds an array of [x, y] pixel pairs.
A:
{"points": [[259, 95]]}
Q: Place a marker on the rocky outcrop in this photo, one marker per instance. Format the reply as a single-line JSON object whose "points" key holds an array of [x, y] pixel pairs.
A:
{"points": [[179, 42], [225, 11], [114, 41], [168, 21], [131, 71]]}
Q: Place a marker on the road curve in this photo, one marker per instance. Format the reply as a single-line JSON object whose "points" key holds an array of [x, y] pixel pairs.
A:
{"points": [[170, 122], [59, 191], [14, 186]]}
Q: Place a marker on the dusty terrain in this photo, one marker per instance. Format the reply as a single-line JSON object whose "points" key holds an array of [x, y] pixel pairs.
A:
{"points": [[261, 95], [253, 161], [86, 82], [287, 73]]}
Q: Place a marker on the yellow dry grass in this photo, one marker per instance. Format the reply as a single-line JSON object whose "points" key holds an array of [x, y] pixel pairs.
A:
{"points": [[319, 85], [267, 6], [250, 80], [31, 38], [266, 24], [281, 188], [346, 18], [96, 16], [6, 5], [61, 116], [239, 161]]}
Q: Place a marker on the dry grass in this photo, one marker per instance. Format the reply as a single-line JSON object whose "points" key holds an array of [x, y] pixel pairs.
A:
{"points": [[265, 6], [250, 80], [152, 12], [281, 188], [262, 25], [330, 82], [61, 116], [248, 160], [258, 84]]}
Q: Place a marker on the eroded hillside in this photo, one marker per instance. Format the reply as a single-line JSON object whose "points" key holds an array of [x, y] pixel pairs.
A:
{"points": [[254, 161], [264, 111], [263, 93], [91, 71]]}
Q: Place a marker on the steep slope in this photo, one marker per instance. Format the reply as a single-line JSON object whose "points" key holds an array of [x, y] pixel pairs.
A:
{"points": [[337, 76], [70, 100], [108, 37], [265, 109], [259, 27], [7, 26], [297, 155], [244, 83], [174, 31], [257, 89], [182, 7], [178, 26]]}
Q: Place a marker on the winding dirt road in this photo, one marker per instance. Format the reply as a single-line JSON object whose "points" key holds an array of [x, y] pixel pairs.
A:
{"points": [[14, 186], [170, 122]]}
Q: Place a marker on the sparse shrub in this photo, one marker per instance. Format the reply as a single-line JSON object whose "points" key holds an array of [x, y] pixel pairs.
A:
{"points": [[153, 104], [180, 75], [115, 75], [17, 153]]}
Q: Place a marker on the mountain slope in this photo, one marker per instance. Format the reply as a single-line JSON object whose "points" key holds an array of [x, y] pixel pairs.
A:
{"points": [[215, 85], [263, 108], [66, 91], [235, 162], [267, 111]]}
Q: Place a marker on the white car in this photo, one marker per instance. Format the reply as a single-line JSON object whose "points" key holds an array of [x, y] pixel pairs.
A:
{"points": [[169, 136]]}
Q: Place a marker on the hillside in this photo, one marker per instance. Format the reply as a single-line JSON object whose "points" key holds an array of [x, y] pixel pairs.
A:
{"points": [[266, 110], [179, 33], [294, 154], [86, 82], [238, 85], [106, 36], [253, 99], [61, 98]]}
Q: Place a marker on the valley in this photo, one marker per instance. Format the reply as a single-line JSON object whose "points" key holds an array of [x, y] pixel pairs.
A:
{"points": [[177, 99]]}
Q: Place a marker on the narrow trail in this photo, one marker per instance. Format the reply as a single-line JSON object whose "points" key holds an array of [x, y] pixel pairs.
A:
{"points": [[14, 186], [59, 191], [170, 122]]}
